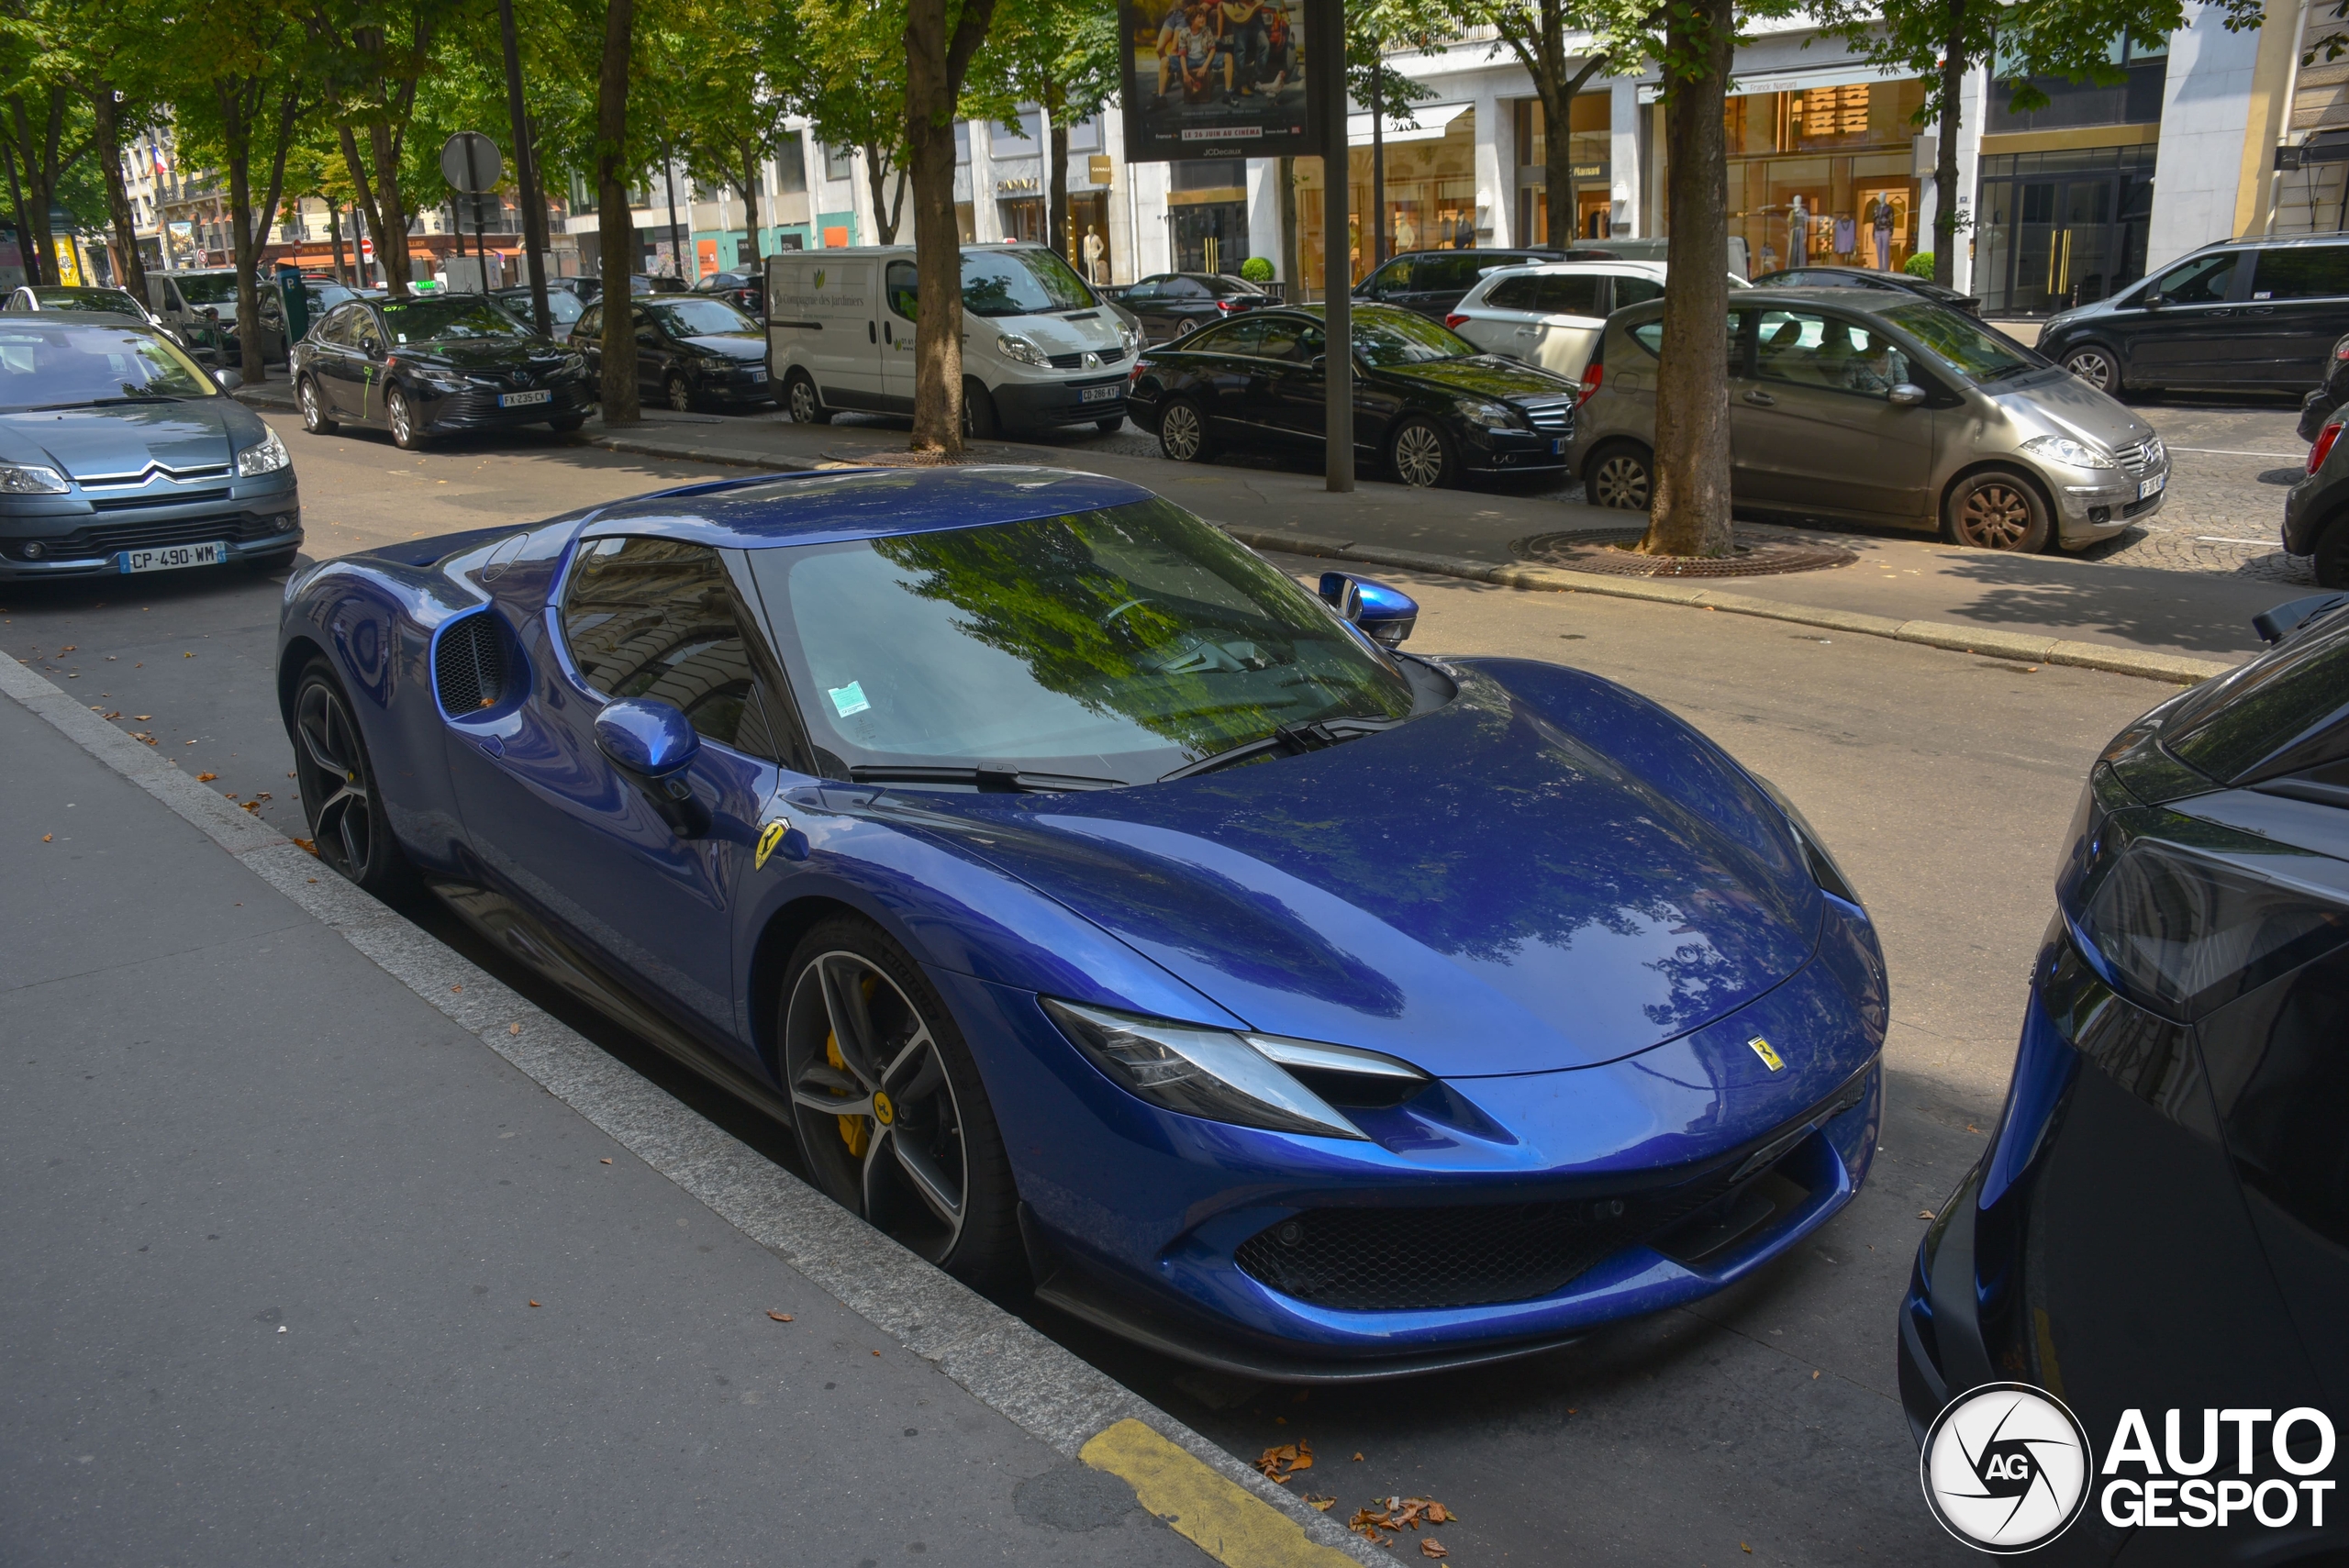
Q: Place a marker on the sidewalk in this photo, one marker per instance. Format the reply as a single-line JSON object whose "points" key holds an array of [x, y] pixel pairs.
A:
{"points": [[2202, 617], [324, 1246]]}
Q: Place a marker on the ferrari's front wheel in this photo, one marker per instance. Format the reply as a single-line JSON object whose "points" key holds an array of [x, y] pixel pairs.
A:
{"points": [[892, 1119], [349, 826]]}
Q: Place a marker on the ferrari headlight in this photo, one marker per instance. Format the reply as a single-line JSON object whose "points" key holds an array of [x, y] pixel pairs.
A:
{"points": [[2069, 452], [31, 479], [1012, 346], [266, 457], [1220, 1075]]}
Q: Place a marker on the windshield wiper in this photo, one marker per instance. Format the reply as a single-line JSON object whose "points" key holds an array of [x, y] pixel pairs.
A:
{"points": [[1291, 739], [1001, 781]]}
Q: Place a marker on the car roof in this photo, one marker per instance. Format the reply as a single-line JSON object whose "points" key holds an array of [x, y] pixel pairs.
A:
{"points": [[855, 504], [1861, 301]]}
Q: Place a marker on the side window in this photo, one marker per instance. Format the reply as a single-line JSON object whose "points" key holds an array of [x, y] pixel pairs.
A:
{"points": [[1183, 288], [1233, 338], [2203, 281], [1283, 338], [904, 290], [652, 617], [591, 323], [1392, 279], [1513, 294], [1808, 350], [1633, 290], [2301, 272], [1572, 293], [1648, 335], [365, 334]]}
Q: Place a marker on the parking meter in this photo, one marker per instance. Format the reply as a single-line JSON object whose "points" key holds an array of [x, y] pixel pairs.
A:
{"points": [[295, 298]]}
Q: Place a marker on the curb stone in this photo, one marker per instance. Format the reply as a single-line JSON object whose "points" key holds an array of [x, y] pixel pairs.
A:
{"points": [[1006, 1365], [2032, 648]]}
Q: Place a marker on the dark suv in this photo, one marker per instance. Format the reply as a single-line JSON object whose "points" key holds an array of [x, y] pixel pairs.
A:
{"points": [[1431, 282], [2242, 315]]}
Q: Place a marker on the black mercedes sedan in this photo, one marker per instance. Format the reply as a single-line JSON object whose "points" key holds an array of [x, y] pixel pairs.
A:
{"points": [[2159, 1229], [1429, 406], [691, 349], [120, 454], [435, 365]]}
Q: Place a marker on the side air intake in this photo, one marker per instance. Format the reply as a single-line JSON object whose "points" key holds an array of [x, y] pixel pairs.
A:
{"points": [[469, 665]]}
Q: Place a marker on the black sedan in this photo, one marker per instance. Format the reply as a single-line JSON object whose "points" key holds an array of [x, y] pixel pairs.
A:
{"points": [[1175, 304], [1863, 278], [2161, 1221], [1429, 406], [563, 307], [745, 292], [436, 365], [689, 350], [119, 454]]}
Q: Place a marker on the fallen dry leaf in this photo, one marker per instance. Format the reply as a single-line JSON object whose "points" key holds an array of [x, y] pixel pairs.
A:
{"points": [[1432, 1547], [45, 838], [191, 655], [143, 717], [778, 1316], [261, 795], [252, 805], [308, 847], [206, 778], [534, 1304], [1320, 1505], [456, 987], [115, 714], [513, 1028], [606, 1161], [877, 1355], [1925, 1214], [1357, 1458], [1814, 1377], [1741, 1545], [1280, 1463], [67, 647]]}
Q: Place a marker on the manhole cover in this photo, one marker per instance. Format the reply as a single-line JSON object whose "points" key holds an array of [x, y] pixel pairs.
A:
{"points": [[1609, 550]]}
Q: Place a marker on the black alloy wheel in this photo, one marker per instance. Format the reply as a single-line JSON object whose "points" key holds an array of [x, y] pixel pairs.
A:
{"points": [[314, 408], [2093, 363], [1621, 476], [1996, 510], [681, 392], [340, 801], [1421, 454], [1183, 432], [405, 435], [893, 1121], [799, 398]]}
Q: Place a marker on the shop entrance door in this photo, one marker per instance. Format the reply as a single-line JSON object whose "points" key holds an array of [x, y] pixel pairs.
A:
{"points": [[1210, 237], [2055, 239]]}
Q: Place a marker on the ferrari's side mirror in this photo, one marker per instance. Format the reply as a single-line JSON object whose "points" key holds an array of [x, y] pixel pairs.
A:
{"points": [[650, 738], [1386, 615]]}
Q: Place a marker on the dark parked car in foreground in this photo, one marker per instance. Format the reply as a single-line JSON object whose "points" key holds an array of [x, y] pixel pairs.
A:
{"points": [[2316, 510], [433, 365], [1429, 406], [1103, 911], [1431, 282], [118, 453], [2243, 315], [1175, 304], [2161, 1222], [690, 350], [1864, 278]]}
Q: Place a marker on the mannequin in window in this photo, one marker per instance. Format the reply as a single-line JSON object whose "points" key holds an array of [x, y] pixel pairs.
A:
{"points": [[1797, 232], [1882, 216], [1093, 272]]}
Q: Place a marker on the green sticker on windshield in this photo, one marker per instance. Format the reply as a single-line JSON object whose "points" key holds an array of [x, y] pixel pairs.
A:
{"points": [[850, 699]]}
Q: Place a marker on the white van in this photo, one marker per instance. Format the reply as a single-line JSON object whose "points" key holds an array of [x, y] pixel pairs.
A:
{"points": [[1039, 347]]}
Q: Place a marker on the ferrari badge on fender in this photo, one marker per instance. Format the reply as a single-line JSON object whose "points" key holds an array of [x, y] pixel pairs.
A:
{"points": [[770, 836]]}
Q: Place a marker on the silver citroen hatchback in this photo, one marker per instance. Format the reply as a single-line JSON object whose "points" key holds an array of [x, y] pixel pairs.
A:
{"points": [[1851, 405]]}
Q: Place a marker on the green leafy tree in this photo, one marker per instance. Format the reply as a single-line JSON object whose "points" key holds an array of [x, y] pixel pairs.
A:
{"points": [[367, 60], [1064, 57], [731, 108], [45, 129], [850, 81], [1545, 37]]}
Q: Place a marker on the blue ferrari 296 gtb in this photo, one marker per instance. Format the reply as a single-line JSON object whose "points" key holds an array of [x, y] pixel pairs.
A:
{"points": [[1109, 915]]}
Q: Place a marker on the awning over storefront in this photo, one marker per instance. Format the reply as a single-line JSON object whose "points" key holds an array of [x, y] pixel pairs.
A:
{"points": [[1427, 124]]}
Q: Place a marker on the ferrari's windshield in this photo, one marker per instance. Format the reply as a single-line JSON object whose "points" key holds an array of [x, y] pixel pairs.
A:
{"points": [[1118, 644]]}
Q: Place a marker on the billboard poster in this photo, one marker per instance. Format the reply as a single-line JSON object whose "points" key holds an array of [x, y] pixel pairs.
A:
{"points": [[1216, 79]]}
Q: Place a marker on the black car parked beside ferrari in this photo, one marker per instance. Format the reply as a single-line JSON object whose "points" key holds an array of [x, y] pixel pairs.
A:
{"points": [[436, 365], [2161, 1222], [1175, 304], [691, 349], [1429, 406], [2240, 315]]}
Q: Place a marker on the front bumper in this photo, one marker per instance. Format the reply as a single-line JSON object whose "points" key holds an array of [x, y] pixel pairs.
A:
{"points": [[258, 519], [477, 410], [1023, 404], [745, 383], [2096, 504], [1516, 452]]}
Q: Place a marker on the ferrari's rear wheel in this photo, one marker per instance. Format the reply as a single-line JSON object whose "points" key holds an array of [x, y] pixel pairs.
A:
{"points": [[892, 1119], [339, 800]]}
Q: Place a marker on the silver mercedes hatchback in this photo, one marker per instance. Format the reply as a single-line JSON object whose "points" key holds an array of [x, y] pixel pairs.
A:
{"points": [[1855, 405]]}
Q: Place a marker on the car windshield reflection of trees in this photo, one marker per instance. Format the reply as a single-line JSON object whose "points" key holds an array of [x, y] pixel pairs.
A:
{"points": [[699, 318], [433, 320], [45, 365], [1119, 643]]}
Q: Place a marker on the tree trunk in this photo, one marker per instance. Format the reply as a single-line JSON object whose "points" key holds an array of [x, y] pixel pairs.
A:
{"points": [[750, 201], [391, 236], [334, 237], [615, 224], [25, 251], [131, 272], [886, 215], [371, 217], [1690, 504], [1056, 198], [676, 241], [936, 62], [1558, 168], [1292, 276], [237, 133], [1953, 64]]}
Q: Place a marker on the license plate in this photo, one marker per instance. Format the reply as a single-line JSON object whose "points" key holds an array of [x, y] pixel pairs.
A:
{"points": [[523, 399], [1557, 445], [759, 374], [2152, 486], [1099, 394], [170, 558]]}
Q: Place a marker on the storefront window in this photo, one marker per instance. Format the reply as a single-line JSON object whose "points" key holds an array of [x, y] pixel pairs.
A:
{"points": [[2062, 228], [1593, 153], [1431, 195]]}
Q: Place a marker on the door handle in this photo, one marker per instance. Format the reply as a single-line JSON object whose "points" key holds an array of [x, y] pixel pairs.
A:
{"points": [[869, 336], [884, 334], [2260, 310], [1761, 400]]}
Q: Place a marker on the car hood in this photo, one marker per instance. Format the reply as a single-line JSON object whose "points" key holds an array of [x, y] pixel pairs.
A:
{"points": [[1480, 375], [730, 345], [2065, 404], [113, 440], [1094, 329], [1547, 872]]}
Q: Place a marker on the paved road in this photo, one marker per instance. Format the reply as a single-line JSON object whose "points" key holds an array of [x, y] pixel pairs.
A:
{"points": [[1942, 781]]}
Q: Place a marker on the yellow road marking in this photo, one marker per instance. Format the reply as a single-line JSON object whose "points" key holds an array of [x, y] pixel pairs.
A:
{"points": [[1220, 1516]]}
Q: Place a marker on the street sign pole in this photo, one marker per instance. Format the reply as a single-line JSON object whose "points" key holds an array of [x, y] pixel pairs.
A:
{"points": [[469, 161], [1327, 55]]}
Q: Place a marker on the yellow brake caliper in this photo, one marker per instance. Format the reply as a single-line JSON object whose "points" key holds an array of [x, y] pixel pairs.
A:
{"points": [[855, 1130]]}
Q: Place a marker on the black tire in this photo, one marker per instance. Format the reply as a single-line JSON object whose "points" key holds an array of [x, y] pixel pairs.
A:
{"points": [[564, 424], [314, 408], [1420, 454], [340, 800], [800, 397], [1183, 432], [2331, 555], [2095, 364], [400, 413], [1621, 475], [1110, 427], [1996, 510], [943, 1185], [679, 391], [980, 420]]}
